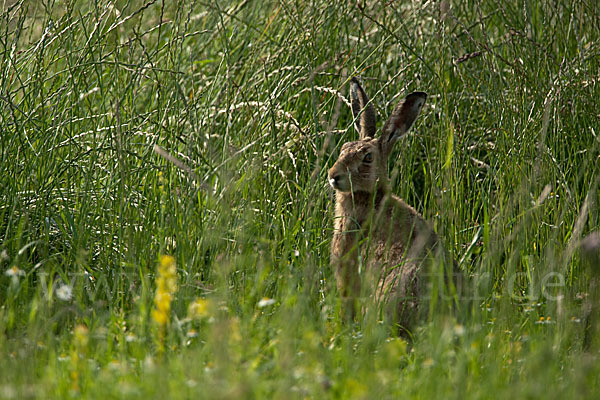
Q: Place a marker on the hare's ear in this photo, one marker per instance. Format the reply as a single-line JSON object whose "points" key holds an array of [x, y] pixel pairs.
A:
{"points": [[401, 120], [362, 111]]}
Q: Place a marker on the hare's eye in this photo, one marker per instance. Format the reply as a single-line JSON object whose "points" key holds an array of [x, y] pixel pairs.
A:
{"points": [[368, 158]]}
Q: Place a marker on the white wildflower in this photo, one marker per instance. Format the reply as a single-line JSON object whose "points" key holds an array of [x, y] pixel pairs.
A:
{"points": [[15, 273], [130, 337], [64, 292], [265, 301]]}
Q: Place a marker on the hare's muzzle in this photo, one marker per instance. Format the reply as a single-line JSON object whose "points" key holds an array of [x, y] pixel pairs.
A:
{"points": [[333, 181], [337, 180]]}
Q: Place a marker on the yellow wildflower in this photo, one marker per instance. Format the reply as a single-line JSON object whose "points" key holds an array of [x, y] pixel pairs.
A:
{"points": [[78, 352], [159, 317], [81, 336], [166, 286], [199, 309]]}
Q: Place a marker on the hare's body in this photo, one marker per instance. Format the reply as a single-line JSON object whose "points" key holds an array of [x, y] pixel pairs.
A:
{"points": [[375, 231], [394, 241]]}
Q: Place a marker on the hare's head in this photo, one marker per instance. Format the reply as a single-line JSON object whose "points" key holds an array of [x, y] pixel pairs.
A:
{"points": [[363, 163]]}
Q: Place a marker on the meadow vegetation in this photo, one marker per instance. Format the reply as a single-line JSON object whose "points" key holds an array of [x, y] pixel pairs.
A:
{"points": [[165, 218]]}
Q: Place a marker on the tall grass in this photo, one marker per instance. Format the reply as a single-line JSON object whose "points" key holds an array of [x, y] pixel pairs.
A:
{"points": [[204, 130]]}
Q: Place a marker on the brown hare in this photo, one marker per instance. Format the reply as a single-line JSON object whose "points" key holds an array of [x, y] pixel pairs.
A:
{"points": [[380, 243]]}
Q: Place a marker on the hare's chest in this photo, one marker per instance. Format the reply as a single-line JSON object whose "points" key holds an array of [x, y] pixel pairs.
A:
{"points": [[345, 235], [381, 253]]}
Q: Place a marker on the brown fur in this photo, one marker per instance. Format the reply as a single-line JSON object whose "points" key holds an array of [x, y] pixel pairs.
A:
{"points": [[374, 229]]}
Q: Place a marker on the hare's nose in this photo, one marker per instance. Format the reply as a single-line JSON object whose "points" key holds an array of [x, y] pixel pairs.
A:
{"points": [[334, 180]]}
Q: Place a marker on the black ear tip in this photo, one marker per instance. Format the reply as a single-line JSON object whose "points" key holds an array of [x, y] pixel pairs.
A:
{"points": [[355, 80], [417, 95], [417, 99]]}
